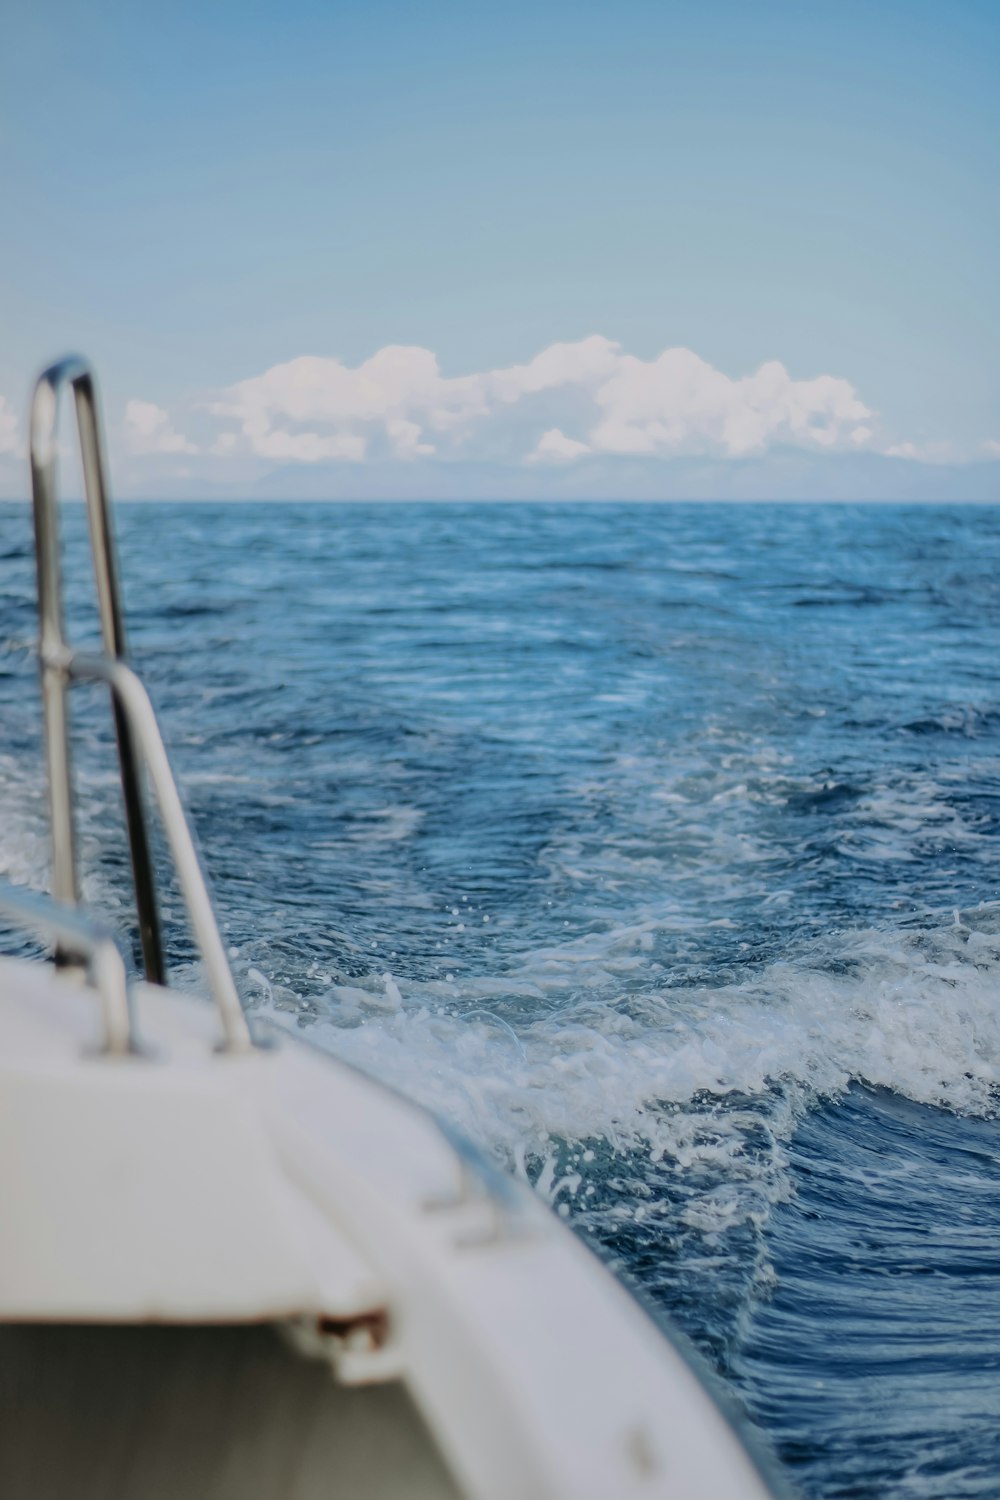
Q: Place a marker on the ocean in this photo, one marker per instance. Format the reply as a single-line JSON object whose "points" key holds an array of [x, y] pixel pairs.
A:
{"points": [[657, 848]]}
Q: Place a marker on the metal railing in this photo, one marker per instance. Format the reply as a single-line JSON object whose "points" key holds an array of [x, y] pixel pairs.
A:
{"points": [[140, 745], [84, 942]]}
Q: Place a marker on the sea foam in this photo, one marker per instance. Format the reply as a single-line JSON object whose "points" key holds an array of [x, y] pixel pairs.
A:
{"points": [[713, 1079]]}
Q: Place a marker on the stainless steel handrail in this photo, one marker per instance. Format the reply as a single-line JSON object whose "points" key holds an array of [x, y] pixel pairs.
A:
{"points": [[132, 702], [83, 941], [137, 732], [44, 413]]}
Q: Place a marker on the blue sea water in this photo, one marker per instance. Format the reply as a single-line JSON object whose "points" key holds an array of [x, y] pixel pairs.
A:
{"points": [[655, 847]]}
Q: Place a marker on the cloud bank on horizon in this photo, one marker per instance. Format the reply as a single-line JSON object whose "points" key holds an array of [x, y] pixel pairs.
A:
{"points": [[573, 403]]}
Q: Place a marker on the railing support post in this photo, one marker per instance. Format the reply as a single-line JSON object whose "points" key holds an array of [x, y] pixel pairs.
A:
{"points": [[44, 413], [140, 745]]}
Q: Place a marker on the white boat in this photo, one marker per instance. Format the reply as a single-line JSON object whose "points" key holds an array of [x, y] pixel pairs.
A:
{"points": [[233, 1268]]}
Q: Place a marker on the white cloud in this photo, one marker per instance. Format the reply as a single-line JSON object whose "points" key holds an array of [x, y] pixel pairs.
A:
{"points": [[9, 442], [588, 362], [315, 408], [555, 447], [405, 438], [925, 453], [991, 448], [149, 430], [680, 403], [397, 404], [903, 450]]}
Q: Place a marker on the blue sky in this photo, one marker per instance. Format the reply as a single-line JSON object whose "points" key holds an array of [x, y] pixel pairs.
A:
{"points": [[194, 195]]}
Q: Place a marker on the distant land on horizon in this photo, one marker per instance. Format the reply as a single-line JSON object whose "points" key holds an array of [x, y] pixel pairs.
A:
{"points": [[790, 476]]}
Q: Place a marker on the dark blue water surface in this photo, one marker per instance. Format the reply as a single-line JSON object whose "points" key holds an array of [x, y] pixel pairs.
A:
{"points": [[658, 848]]}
